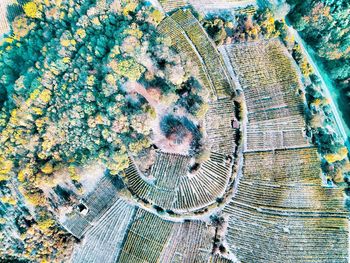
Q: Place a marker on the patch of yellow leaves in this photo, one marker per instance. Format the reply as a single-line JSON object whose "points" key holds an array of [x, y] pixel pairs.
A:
{"points": [[47, 168], [130, 7], [66, 60], [339, 156], [65, 42], [90, 80], [45, 224], [81, 33], [8, 200], [45, 96], [5, 167], [31, 9]]}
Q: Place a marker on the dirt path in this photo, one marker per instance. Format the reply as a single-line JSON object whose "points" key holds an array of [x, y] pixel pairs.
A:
{"points": [[152, 96]]}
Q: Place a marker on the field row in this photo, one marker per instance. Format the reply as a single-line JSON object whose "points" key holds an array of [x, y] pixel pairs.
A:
{"points": [[190, 38], [92, 207], [172, 187], [103, 242], [169, 5], [221, 126], [208, 5], [271, 87], [151, 239], [283, 166], [189, 242], [281, 213]]}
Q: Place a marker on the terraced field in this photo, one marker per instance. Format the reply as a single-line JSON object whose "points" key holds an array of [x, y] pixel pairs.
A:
{"points": [[280, 212], [169, 5], [146, 239], [210, 5], [103, 242], [222, 126], [219, 259], [94, 206], [151, 239], [191, 40], [177, 190], [287, 219], [271, 88], [189, 242]]}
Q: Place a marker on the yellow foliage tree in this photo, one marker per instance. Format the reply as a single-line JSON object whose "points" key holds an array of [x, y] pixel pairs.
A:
{"points": [[81, 33], [8, 200], [31, 9], [136, 32], [334, 157], [35, 198], [45, 96], [305, 67], [47, 168], [128, 68], [130, 7], [157, 16], [24, 173], [5, 166], [90, 80], [136, 147], [118, 162], [45, 224], [269, 25], [4, 177], [73, 173]]}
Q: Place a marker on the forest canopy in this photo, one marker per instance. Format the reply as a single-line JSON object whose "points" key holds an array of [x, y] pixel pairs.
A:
{"points": [[66, 68], [325, 25], [81, 81]]}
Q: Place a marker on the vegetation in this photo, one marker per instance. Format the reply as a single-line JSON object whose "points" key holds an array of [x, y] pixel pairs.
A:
{"points": [[181, 129], [319, 116], [190, 97], [324, 24], [67, 70], [321, 129], [243, 27]]}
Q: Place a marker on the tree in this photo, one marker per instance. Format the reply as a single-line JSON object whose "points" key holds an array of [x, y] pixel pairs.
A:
{"points": [[31, 9]]}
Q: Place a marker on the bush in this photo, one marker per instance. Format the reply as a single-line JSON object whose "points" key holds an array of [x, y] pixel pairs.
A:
{"points": [[178, 128]]}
